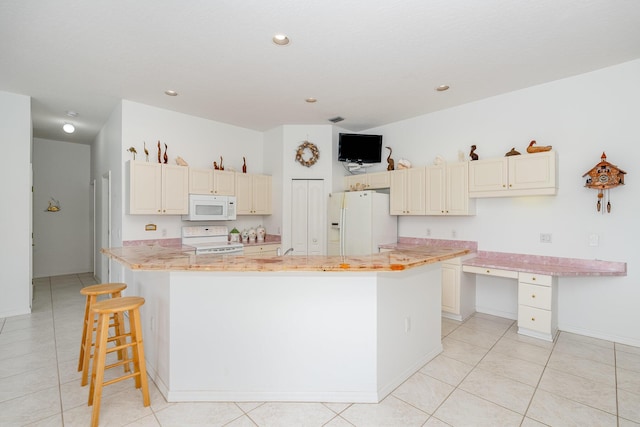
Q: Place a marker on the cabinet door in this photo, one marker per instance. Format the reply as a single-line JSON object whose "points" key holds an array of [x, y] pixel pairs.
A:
{"points": [[435, 196], [243, 194], [450, 289], [175, 190], [378, 180], [261, 194], [397, 180], [415, 192], [488, 175], [224, 183], [532, 171], [457, 190], [145, 188], [351, 181], [200, 181]]}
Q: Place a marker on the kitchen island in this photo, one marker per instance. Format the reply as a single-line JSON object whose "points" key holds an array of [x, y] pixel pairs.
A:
{"points": [[296, 328]]}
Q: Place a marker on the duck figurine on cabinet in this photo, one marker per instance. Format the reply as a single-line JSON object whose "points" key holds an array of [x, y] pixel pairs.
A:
{"points": [[533, 148]]}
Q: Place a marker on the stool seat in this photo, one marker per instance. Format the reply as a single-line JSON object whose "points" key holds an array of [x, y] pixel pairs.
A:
{"points": [[103, 289], [105, 310], [114, 290]]}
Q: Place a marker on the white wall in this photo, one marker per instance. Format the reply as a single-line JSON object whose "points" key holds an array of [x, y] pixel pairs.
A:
{"points": [[63, 239], [581, 117], [15, 216]]}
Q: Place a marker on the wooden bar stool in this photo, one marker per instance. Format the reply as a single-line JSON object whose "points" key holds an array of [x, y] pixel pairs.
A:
{"points": [[104, 310], [92, 293]]}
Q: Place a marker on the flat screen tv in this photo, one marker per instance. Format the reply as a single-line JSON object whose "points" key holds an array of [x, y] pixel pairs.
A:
{"points": [[359, 148]]}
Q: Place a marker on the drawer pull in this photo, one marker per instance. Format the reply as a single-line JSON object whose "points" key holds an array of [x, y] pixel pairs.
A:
{"points": [[533, 295], [533, 319], [533, 278], [488, 271]]}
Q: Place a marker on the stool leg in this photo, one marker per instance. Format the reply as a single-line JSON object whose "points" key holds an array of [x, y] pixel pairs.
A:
{"points": [[84, 334], [119, 323], [139, 364], [99, 361], [88, 340]]}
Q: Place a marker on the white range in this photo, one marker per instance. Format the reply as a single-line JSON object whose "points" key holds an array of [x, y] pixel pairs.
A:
{"points": [[210, 239]]}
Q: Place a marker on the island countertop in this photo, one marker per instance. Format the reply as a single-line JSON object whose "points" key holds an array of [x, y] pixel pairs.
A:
{"points": [[183, 258]]}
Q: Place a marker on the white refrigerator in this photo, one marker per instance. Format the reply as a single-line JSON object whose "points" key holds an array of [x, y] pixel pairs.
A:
{"points": [[359, 221]]}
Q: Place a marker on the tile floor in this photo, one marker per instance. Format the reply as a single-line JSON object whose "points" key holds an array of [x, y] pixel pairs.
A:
{"points": [[486, 376]]}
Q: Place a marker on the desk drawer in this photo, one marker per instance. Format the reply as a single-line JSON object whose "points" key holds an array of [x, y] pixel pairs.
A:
{"points": [[536, 279], [490, 271], [534, 296], [535, 319]]}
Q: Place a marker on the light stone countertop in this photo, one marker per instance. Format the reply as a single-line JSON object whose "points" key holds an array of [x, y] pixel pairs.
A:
{"points": [[182, 258]]}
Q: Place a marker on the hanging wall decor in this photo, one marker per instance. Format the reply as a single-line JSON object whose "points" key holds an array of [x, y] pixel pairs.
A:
{"points": [[313, 151], [603, 177]]}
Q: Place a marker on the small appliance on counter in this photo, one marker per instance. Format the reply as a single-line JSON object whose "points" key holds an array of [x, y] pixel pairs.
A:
{"points": [[210, 239]]}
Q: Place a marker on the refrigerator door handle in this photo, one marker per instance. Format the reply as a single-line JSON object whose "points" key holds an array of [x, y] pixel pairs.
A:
{"points": [[342, 231]]}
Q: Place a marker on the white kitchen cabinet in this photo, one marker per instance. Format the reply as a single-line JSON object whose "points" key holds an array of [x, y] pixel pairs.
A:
{"points": [[158, 189], [253, 194], [407, 191], [211, 181], [458, 290], [523, 175], [537, 306], [308, 230], [368, 181], [447, 190]]}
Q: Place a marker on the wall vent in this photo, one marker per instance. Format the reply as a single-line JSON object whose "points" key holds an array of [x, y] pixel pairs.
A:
{"points": [[336, 119]]}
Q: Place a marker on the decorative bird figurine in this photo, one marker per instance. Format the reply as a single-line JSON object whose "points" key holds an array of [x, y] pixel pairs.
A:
{"points": [[221, 166], [533, 148], [472, 153], [390, 161], [166, 158], [244, 165], [146, 152], [133, 150], [159, 153]]}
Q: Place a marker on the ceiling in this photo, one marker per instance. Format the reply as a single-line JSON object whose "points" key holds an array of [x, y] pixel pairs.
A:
{"points": [[371, 62]]}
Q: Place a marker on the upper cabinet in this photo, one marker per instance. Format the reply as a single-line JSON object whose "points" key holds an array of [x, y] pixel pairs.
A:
{"points": [[407, 192], [253, 194], [211, 181], [158, 189], [522, 175], [447, 190], [368, 181]]}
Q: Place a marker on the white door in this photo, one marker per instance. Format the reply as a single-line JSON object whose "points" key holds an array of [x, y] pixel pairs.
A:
{"points": [[308, 217], [105, 227]]}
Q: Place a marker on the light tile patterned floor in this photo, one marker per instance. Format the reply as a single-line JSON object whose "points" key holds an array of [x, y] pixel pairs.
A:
{"points": [[488, 375]]}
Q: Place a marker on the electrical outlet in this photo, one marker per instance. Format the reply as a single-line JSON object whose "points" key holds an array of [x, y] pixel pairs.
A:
{"points": [[454, 233], [594, 240], [428, 232], [545, 237]]}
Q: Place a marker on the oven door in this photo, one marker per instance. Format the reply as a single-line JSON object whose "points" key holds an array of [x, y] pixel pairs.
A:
{"points": [[207, 208]]}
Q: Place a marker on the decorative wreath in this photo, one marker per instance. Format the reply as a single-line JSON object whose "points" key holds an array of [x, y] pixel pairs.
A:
{"points": [[315, 154]]}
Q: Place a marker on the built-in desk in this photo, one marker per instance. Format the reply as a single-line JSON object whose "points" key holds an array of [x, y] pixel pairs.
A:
{"points": [[538, 284]]}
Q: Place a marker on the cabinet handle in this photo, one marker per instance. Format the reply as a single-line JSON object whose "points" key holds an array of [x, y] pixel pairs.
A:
{"points": [[488, 271], [510, 185], [533, 278], [533, 319], [503, 186], [533, 295]]}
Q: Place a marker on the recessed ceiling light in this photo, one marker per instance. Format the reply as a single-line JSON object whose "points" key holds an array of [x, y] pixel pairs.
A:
{"points": [[171, 93], [281, 39], [68, 128], [442, 88], [311, 100]]}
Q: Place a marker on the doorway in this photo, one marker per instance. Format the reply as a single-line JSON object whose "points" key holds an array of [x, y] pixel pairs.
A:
{"points": [[105, 228]]}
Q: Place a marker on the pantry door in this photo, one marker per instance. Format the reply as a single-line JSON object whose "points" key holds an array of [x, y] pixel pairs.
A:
{"points": [[308, 235]]}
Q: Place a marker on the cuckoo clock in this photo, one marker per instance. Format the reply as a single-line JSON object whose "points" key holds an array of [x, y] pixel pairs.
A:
{"points": [[603, 177]]}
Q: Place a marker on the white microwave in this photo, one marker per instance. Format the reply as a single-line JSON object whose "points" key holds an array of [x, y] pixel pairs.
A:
{"points": [[204, 207]]}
